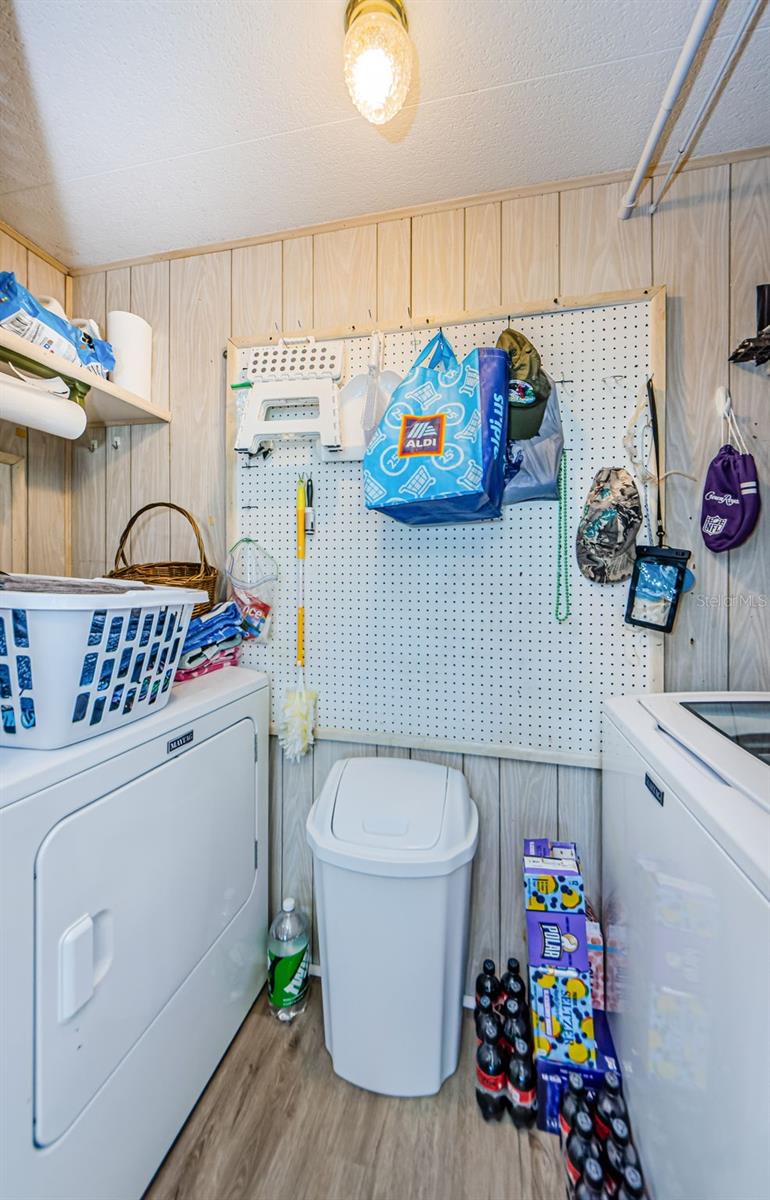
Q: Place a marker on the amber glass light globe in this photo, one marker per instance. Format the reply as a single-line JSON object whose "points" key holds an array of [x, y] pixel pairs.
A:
{"points": [[378, 58]]}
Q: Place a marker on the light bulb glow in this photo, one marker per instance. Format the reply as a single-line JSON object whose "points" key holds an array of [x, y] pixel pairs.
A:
{"points": [[378, 65]]}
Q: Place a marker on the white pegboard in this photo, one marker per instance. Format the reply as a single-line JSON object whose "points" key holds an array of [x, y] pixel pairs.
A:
{"points": [[448, 633]]}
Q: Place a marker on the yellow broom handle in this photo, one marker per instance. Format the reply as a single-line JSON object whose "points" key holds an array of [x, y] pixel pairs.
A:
{"points": [[301, 573]]}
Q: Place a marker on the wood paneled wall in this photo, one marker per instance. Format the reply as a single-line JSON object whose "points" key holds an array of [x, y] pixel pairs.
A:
{"points": [[709, 244], [41, 493]]}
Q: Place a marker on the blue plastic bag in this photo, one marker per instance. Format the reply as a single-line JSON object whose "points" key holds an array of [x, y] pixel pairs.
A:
{"points": [[23, 315], [438, 453]]}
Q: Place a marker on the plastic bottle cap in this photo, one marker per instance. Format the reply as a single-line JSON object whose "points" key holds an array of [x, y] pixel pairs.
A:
{"points": [[593, 1172], [575, 1082], [521, 1048], [488, 966], [619, 1130], [612, 1082], [289, 904], [632, 1177], [584, 1124], [513, 966]]}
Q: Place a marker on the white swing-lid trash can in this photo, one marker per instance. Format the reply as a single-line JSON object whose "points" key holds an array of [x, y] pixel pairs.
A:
{"points": [[393, 842]]}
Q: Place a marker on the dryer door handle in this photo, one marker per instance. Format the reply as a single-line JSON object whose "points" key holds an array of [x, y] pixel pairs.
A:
{"points": [[76, 967]]}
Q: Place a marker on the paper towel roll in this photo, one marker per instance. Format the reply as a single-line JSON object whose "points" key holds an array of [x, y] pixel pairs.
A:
{"points": [[23, 404], [131, 339]]}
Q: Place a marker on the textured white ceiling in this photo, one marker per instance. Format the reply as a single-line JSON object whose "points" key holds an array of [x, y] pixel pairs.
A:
{"points": [[132, 127]]}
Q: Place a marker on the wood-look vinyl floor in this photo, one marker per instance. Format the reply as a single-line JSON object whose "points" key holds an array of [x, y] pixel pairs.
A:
{"points": [[275, 1123]]}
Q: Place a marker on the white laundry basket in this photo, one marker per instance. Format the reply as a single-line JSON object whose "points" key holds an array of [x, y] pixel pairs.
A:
{"points": [[75, 665], [393, 842]]}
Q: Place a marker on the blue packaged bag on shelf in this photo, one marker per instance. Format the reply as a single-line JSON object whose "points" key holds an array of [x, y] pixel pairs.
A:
{"points": [[438, 453], [22, 314]]}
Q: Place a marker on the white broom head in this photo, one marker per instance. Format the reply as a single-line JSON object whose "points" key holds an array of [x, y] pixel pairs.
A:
{"points": [[295, 730]]}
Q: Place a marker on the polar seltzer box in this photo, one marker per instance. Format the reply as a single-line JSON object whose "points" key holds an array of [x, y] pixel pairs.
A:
{"points": [[553, 884], [556, 939]]}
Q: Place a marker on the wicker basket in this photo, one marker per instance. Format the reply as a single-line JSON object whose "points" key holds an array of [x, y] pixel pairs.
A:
{"points": [[169, 574]]}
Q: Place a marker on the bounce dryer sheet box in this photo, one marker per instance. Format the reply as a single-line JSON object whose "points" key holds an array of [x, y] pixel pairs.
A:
{"points": [[557, 940], [553, 884], [562, 1015], [552, 1076]]}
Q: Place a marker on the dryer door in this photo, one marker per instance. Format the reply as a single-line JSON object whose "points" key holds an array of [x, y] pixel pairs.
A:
{"points": [[130, 893]]}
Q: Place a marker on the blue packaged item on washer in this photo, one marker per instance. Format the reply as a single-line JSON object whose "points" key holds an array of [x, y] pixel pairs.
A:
{"points": [[438, 453], [22, 314]]}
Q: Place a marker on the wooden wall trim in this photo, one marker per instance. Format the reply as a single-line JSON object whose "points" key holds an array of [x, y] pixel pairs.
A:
{"points": [[535, 189], [462, 317]]}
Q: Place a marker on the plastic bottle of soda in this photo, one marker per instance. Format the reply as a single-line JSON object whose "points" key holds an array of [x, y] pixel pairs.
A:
{"points": [[487, 983], [516, 1023], [483, 1009], [490, 1072], [488, 1029], [609, 1104], [573, 1100], [618, 1154], [288, 961], [509, 978], [591, 1185], [632, 1185], [579, 1147], [522, 1091]]}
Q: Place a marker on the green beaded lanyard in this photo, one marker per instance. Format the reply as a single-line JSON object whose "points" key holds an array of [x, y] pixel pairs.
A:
{"points": [[562, 607]]}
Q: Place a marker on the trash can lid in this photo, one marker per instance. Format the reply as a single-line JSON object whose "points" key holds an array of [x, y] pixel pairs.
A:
{"points": [[389, 816]]}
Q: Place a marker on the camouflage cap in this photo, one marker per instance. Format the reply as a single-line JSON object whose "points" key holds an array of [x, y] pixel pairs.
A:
{"points": [[606, 536]]}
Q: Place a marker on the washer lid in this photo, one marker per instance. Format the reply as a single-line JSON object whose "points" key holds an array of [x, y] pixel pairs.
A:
{"points": [[724, 730], [390, 816], [390, 803]]}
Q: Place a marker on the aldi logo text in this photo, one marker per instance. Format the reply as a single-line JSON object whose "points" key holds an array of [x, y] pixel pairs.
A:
{"points": [[421, 435]]}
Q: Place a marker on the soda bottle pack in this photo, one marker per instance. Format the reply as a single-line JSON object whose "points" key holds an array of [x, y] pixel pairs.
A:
{"points": [[545, 1053], [505, 1072]]}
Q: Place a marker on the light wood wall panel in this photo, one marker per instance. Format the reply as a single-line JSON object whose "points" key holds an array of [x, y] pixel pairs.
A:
{"points": [[530, 248], [528, 808], [13, 257], [580, 821], [258, 289], [48, 463], [298, 284], [438, 263], [749, 565], [394, 271], [483, 775], [482, 257], [200, 324], [89, 453], [345, 278], [150, 444], [119, 506], [598, 252], [691, 256]]}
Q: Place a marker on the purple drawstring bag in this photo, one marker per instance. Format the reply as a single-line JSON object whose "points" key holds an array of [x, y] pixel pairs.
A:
{"points": [[730, 505]]}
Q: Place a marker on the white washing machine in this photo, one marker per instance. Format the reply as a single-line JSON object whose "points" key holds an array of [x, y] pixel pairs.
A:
{"points": [[686, 907], [133, 928]]}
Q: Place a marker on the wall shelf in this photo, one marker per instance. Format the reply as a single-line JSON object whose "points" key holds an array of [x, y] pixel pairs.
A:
{"points": [[106, 403]]}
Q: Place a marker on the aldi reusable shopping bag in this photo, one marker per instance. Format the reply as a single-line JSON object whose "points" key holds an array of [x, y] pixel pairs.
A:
{"points": [[436, 457]]}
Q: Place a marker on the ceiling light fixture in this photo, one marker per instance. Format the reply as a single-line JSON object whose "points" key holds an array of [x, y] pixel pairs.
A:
{"points": [[378, 57]]}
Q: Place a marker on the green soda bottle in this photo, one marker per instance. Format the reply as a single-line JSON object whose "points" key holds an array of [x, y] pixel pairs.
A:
{"points": [[288, 960]]}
